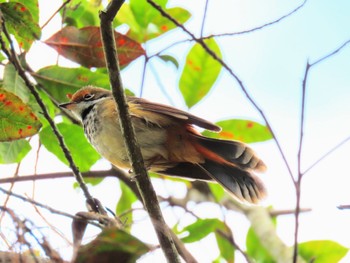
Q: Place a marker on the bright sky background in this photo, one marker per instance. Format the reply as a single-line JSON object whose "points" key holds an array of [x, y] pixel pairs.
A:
{"points": [[271, 63]]}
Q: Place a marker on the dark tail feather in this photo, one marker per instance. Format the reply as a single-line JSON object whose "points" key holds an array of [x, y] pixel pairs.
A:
{"points": [[242, 184], [235, 152]]}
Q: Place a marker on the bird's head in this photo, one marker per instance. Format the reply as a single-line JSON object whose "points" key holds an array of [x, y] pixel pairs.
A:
{"points": [[85, 99]]}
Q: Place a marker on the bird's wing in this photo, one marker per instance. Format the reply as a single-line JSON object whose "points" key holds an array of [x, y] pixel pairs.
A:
{"points": [[137, 105]]}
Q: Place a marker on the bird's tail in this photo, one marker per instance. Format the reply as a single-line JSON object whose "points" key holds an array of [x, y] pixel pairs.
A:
{"points": [[230, 163]]}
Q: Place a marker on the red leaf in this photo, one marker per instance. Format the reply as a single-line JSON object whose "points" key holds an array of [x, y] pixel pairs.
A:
{"points": [[84, 46]]}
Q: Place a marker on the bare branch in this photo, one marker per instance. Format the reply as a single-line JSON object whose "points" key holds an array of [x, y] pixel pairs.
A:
{"points": [[336, 147], [46, 207], [53, 15], [259, 27], [332, 53], [297, 182], [204, 17], [15, 175]]}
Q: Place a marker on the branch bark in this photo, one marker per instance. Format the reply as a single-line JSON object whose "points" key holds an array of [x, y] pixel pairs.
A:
{"points": [[143, 182]]}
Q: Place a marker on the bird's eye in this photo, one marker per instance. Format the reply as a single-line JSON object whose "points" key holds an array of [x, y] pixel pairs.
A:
{"points": [[88, 96]]}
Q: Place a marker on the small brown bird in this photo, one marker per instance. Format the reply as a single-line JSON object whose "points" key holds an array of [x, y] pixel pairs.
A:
{"points": [[169, 143]]}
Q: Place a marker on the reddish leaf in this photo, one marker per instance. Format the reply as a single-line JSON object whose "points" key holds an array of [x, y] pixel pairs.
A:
{"points": [[84, 46], [21, 22], [17, 119]]}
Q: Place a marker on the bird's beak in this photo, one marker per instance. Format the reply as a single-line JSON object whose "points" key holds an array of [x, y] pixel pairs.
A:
{"points": [[68, 105]]}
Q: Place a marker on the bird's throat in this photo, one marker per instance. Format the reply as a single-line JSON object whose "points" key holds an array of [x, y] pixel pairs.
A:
{"points": [[87, 111]]}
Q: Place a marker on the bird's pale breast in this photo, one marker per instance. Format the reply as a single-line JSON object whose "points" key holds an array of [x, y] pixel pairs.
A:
{"points": [[106, 136]]}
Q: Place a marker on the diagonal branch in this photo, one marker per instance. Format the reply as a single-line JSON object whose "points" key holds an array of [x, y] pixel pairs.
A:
{"points": [[134, 153]]}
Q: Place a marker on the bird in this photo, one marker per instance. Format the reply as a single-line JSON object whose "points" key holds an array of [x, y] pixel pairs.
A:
{"points": [[169, 141]]}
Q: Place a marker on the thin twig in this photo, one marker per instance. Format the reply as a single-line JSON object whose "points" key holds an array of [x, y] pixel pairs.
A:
{"points": [[331, 54], [160, 84], [343, 207], [143, 76], [275, 213], [21, 231], [134, 153], [52, 227], [53, 15], [204, 17], [259, 27], [15, 175], [36, 166], [12, 56], [240, 32], [297, 183], [336, 147], [46, 207]]}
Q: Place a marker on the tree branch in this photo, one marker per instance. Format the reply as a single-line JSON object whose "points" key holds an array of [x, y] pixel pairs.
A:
{"points": [[259, 27], [297, 182], [142, 180], [38, 204]]}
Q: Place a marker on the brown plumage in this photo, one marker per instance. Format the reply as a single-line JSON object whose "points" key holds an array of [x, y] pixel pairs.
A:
{"points": [[169, 143]]}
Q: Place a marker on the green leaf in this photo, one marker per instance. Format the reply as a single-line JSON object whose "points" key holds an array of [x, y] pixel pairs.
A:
{"points": [[13, 152], [150, 24], [84, 155], [125, 203], [59, 81], [218, 191], [241, 130], [200, 229], [81, 13], [256, 250], [17, 119], [322, 251], [14, 83], [200, 72], [227, 250], [143, 12], [32, 6], [112, 245], [20, 23], [168, 58], [84, 46], [164, 25]]}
